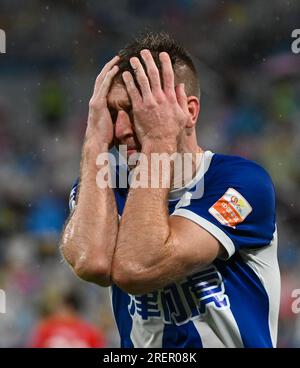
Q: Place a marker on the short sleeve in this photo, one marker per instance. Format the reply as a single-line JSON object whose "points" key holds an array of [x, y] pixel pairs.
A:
{"points": [[237, 206], [72, 197]]}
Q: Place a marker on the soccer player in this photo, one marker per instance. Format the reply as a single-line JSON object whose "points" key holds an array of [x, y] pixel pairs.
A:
{"points": [[189, 266]]}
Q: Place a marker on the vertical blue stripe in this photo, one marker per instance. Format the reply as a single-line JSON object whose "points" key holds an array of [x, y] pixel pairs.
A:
{"points": [[120, 302], [184, 336], [249, 302]]}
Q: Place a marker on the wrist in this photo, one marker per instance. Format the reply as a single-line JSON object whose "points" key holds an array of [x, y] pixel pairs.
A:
{"points": [[95, 146], [91, 150], [99, 135], [159, 146]]}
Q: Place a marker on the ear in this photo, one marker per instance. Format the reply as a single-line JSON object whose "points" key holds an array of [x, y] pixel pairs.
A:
{"points": [[194, 109]]}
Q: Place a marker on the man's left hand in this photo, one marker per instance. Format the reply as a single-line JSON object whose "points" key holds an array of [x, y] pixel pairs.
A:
{"points": [[160, 111]]}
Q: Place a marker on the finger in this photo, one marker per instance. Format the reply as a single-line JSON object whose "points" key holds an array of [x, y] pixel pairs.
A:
{"points": [[108, 66], [131, 88], [152, 71], [167, 73], [182, 97], [105, 85], [141, 77]]}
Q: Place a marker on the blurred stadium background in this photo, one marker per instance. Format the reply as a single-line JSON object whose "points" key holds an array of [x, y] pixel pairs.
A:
{"points": [[250, 107]]}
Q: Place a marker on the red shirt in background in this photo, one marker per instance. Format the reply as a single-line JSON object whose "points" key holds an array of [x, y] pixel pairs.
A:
{"points": [[66, 332]]}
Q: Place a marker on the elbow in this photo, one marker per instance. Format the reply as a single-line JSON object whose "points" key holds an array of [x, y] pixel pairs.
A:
{"points": [[93, 270], [129, 285], [88, 268], [131, 279]]}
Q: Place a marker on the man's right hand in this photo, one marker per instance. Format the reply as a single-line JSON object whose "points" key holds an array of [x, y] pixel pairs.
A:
{"points": [[83, 245], [99, 125]]}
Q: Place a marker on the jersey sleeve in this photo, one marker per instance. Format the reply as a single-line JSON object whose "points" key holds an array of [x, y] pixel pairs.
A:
{"points": [[73, 195], [237, 206]]}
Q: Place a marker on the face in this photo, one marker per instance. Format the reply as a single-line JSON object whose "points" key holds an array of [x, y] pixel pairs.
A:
{"points": [[118, 102], [124, 134]]}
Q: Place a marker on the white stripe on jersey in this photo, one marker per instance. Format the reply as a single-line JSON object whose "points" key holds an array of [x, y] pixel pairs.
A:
{"points": [[147, 334], [219, 329], [210, 227], [264, 263]]}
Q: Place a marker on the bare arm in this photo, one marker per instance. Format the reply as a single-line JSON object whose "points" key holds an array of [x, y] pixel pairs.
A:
{"points": [[89, 237], [154, 249]]}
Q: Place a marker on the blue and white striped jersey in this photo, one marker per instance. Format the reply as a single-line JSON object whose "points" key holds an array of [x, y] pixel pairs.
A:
{"points": [[234, 302]]}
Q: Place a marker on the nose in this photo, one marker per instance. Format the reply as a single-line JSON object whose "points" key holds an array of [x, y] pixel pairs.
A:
{"points": [[123, 126]]}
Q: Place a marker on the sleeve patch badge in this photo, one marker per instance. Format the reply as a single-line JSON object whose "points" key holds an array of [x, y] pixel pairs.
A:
{"points": [[231, 209]]}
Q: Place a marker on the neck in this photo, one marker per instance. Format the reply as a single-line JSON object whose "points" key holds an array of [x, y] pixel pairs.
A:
{"points": [[186, 167]]}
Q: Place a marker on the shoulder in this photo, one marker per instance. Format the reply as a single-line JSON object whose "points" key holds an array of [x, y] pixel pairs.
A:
{"points": [[245, 185], [240, 173], [236, 166], [235, 203]]}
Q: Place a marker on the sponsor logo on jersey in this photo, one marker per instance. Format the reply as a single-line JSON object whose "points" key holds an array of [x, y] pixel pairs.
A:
{"points": [[231, 209]]}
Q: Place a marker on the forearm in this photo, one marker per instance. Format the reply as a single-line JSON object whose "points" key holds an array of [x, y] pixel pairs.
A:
{"points": [[144, 239], [89, 238]]}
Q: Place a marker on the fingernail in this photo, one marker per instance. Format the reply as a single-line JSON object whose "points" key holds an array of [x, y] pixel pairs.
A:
{"points": [[133, 62], [144, 51], [126, 76]]}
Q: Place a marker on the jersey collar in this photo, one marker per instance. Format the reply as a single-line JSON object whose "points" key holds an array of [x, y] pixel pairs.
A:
{"points": [[177, 193]]}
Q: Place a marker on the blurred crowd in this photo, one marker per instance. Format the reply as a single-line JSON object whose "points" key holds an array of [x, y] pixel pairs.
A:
{"points": [[250, 83]]}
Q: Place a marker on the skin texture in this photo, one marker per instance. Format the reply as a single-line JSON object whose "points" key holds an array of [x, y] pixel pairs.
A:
{"points": [[83, 244], [161, 246], [149, 249]]}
